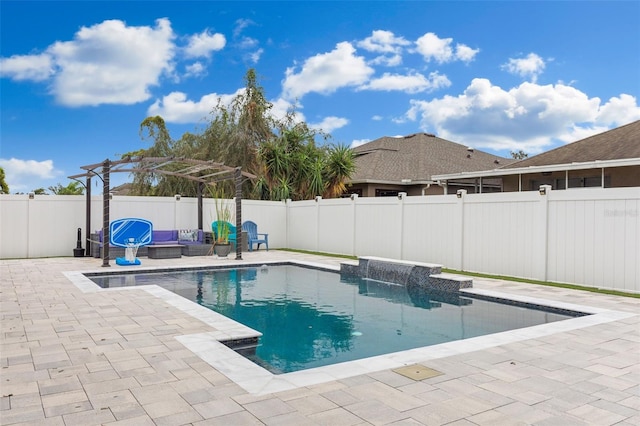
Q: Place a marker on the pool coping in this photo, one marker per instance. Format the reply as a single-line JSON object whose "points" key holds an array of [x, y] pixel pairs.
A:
{"points": [[259, 381]]}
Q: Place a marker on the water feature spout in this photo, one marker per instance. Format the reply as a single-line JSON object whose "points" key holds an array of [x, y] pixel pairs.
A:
{"points": [[397, 273]]}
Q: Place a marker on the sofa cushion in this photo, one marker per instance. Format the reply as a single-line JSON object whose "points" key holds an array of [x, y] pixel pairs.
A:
{"points": [[190, 237], [165, 237], [173, 236], [187, 235]]}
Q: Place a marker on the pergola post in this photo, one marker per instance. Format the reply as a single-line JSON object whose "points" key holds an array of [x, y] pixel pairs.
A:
{"points": [[106, 166], [238, 181], [88, 218], [199, 195]]}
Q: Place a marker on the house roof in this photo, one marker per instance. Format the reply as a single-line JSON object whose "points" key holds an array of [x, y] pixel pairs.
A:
{"points": [[616, 144], [417, 157], [124, 189], [618, 147]]}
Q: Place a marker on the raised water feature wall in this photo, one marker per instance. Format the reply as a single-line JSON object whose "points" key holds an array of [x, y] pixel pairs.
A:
{"points": [[409, 274]]}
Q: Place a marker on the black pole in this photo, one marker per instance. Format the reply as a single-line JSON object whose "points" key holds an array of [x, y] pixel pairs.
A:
{"points": [[88, 218], [105, 212], [238, 180], [199, 194]]}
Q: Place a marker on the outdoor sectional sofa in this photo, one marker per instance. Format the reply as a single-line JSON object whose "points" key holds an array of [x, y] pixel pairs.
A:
{"points": [[191, 240]]}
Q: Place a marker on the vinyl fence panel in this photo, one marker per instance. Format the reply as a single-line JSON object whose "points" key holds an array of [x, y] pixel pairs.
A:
{"points": [[504, 234], [335, 226], [271, 218], [594, 238], [431, 231], [14, 226], [378, 227], [302, 225], [587, 236]]}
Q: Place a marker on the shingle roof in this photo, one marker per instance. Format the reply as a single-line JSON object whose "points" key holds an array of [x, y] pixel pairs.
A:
{"points": [[418, 157], [616, 144]]}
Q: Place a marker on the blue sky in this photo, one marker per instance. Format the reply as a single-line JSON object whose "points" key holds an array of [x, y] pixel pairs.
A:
{"points": [[78, 77]]}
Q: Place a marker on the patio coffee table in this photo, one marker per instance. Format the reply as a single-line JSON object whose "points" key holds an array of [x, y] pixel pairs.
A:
{"points": [[164, 251]]}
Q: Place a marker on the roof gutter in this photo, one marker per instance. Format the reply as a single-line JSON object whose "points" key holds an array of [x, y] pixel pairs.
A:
{"points": [[404, 182], [539, 169]]}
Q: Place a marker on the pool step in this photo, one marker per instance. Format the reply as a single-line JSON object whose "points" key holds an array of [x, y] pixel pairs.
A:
{"points": [[238, 345], [449, 282]]}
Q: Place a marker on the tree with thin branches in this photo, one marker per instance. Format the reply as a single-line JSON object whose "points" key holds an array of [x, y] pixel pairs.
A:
{"points": [[282, 153]]}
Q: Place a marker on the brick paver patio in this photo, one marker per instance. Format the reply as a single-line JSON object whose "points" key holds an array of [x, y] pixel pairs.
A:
{"points": [[72, 357]]}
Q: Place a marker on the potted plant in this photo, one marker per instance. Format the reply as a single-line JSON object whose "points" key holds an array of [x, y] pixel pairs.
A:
{"points": [[222, 227]]}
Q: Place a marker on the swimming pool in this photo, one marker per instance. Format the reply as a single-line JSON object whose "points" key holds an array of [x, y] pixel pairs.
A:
{"points": [[311, 317]]}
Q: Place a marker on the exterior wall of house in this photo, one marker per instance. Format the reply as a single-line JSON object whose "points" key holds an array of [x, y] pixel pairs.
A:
{"points": [[472, 186], [374, 190], [625, 177], [587, 237], [618, 177]]}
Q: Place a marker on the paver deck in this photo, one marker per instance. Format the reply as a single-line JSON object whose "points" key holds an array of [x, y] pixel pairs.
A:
{"points": [[77, 355]]}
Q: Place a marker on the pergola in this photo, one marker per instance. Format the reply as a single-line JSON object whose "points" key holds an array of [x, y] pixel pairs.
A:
{"points": [[201, 171]]}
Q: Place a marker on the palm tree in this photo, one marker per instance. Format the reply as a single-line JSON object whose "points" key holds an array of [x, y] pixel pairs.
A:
{"points": [[4, 188], [339, 167], [294, 167], [73, 188]]}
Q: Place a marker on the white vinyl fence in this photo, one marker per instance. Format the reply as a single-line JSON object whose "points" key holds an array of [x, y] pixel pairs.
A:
{"points": [[589, 237]]}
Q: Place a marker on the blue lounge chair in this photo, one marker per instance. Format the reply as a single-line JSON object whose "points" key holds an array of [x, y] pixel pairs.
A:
{"points": [[254, 236], [230, 227]]}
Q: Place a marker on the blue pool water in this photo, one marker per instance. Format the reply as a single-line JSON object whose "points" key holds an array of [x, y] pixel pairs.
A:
{"points": [[311, 318]]}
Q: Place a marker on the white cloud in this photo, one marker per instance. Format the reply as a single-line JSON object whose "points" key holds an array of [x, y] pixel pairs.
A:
{"points": [[27, 175], [529, 117], [196, 69], [327, 72], [203, 44], [615, 113], [432, 47], [357, 142], [27, 67], [247, 43], [329, 124], [254, 57], [107, 63], [382, 41], [529, 67], [241, 24], [411, 83], [388, 44], [281, 107], [176, 108], [110, 63], [619, 111], [389, 61], [465, 53]]}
